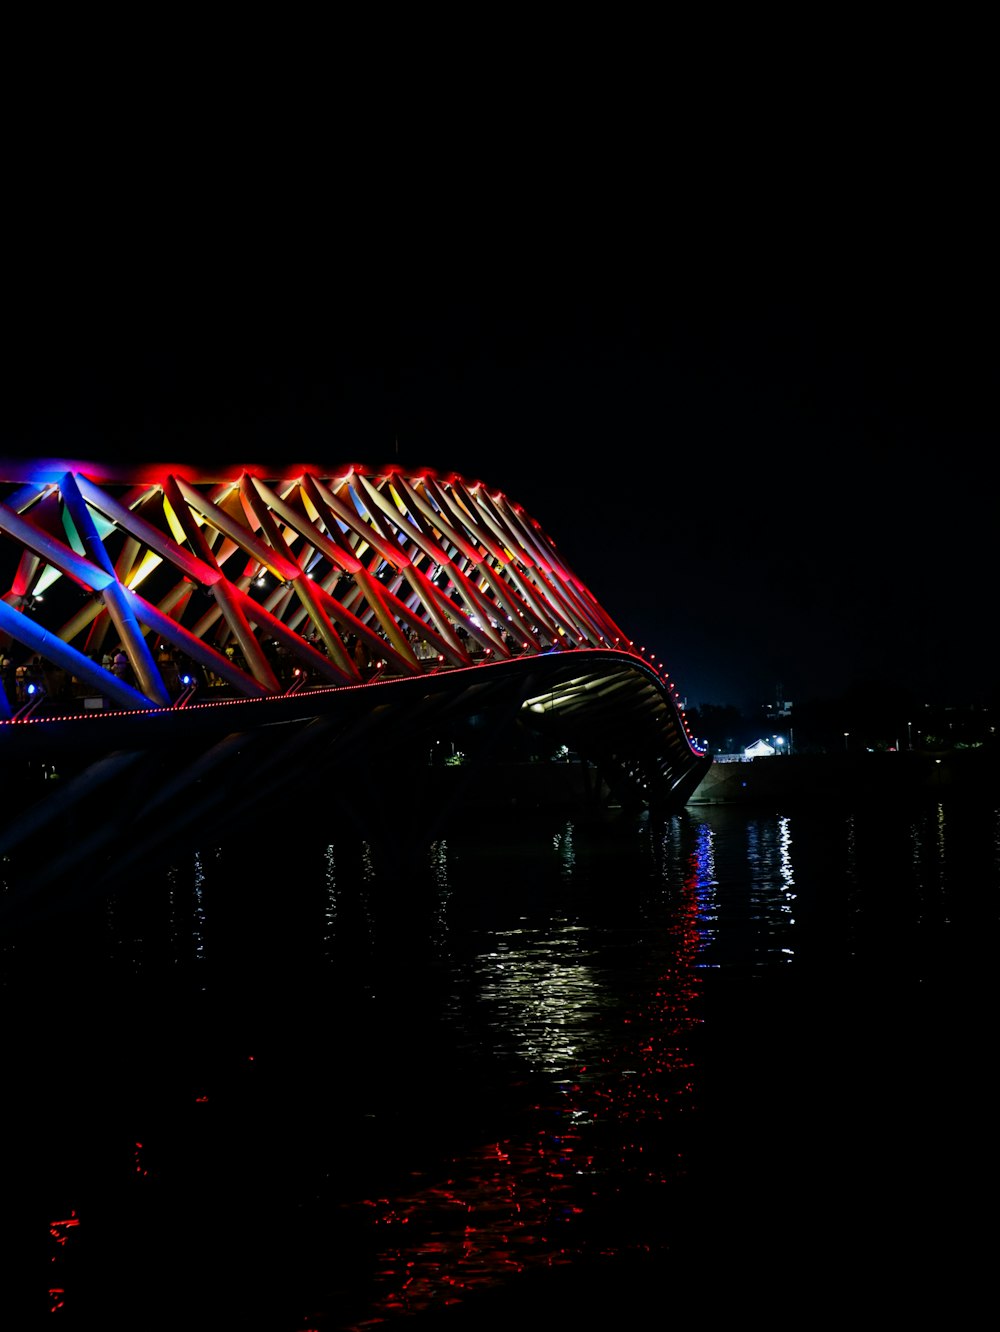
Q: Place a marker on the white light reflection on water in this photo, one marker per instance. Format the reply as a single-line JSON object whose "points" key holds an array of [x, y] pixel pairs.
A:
{"points": [[614, 1079], [198, 924], [174, 922], [438, 864], [755, 890], [564, 844], [940, 843], [542, 997], [928, 841], [368, 877], [330, 894]]}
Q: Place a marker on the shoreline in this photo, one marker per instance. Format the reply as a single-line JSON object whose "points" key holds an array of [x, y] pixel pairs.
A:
{"points": [[882, 775]]}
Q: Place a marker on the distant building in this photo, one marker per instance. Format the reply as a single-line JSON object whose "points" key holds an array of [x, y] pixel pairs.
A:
{"points": [[779, 708]]}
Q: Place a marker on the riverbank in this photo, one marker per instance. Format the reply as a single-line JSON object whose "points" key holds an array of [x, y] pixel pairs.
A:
{"points": [[882, 775], [517, 789]]}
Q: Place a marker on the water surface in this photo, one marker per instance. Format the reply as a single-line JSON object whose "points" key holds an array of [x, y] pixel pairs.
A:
{"points": [[729, 1062]]}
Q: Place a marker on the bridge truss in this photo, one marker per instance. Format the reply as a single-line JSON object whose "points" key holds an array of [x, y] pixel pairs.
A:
{"points": [[166, 621]]}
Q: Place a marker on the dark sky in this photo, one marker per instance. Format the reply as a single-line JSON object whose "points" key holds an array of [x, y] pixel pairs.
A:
{"points": [[773, 479]]}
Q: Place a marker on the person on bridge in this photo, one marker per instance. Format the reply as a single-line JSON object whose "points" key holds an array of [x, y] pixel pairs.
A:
{"points": [[168, 670], [9, 676], [122, 667]]}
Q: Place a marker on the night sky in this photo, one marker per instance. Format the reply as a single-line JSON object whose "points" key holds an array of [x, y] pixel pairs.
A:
{"points": [[774, 482]]}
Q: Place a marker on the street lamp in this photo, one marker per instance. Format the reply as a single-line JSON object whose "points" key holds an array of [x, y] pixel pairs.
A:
{"points": [[846, 734]]}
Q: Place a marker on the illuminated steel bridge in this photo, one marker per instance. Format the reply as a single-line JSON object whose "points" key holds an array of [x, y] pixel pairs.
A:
{"points": [[181, 648]]}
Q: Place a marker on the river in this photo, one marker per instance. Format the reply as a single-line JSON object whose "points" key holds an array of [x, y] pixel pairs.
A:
{"points": [[737, 1062]]}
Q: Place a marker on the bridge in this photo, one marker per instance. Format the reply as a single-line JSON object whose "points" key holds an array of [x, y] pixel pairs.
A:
{"points": [[182, 650]]}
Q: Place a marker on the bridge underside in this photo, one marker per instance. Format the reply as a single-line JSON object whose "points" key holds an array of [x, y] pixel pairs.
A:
{"points": [[106, 796]]}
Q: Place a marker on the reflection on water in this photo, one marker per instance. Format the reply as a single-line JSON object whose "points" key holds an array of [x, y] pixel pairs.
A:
{"points": [[341, 1091], [608, 1065]]}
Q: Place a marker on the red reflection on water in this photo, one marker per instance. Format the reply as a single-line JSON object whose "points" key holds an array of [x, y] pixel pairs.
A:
{"points": [[59, 1231], [140, 1169], [519, 1203]]}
